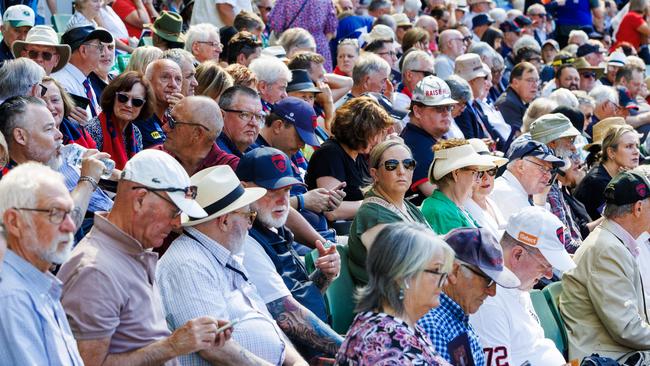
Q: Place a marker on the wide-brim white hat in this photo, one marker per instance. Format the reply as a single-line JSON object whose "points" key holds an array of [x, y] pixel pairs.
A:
{"points": [[219, 192], [482, 149], [43, 35], [448, 160]]}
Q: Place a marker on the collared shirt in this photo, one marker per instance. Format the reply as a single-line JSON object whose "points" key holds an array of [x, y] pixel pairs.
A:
{"points": [[216, 156], [509, 195], [33, 325], [446, 322], [630, 242], [99, 201], [420, 142], [559, 208], [199, 277], [110, 292], [226, 144], [72, 80], [444, 66], [512, 108]]}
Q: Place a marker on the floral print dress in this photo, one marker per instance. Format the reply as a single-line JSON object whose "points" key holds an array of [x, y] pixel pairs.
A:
{"points": [[380, 339]]}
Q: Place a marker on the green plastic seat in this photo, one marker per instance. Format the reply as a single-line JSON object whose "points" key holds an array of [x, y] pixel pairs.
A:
{"points": [[553, 330], [552, 293], [60, 21]]}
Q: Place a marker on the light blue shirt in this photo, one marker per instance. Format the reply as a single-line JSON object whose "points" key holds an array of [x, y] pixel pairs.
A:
{"points": [[99, 201], [33, 326], [201, 278]]}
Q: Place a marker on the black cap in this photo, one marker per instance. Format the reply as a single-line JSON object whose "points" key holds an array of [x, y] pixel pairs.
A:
{"points": [[625, 188], [586, 49], [523, 21], [300, 81], [576, 116], [523, 147], [509, 26], [481, 19], [75, 37]]}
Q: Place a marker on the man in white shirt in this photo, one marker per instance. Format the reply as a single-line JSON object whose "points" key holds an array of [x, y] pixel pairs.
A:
{"points": [[528, 177], [507, 323], [451, 46]]}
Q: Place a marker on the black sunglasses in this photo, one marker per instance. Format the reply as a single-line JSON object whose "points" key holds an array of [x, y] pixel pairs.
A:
{"points": [[424, 72], [590, 75], [391, 164], [172, 122], [47, 56], [492, 172], [190, 192], [124, 98]]}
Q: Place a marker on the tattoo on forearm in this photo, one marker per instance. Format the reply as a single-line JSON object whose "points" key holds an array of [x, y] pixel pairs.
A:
{"points": [[320, 280], [303, 327]]}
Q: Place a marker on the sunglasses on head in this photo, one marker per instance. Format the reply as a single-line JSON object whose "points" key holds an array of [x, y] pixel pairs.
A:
{"points": [[47, 56], [391, 164], [124, 98]]}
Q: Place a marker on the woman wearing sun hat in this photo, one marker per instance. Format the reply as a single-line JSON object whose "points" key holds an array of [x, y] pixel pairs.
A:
{"points": [[456, 168]]}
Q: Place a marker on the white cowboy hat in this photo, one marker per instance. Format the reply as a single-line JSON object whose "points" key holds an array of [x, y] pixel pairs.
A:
{"points": [[220, 192], [448, 160]]}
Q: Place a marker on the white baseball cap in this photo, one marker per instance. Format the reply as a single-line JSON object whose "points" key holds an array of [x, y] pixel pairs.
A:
{"points": [[433, 91], [158, 170], [19, 16], [537, 227]]}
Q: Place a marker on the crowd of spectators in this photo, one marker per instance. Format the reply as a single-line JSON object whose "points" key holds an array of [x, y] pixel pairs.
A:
{"points": [[186, 182]]}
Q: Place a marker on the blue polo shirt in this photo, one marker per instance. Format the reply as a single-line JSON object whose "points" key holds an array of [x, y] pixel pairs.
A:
{"points": [[152, 132], [226, 144], [421, 144]]}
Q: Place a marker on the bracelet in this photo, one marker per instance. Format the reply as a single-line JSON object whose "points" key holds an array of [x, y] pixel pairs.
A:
{"points": [[301, 202], [91, 180]]}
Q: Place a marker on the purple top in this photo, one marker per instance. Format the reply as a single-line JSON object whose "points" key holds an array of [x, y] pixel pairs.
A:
{"points": [[381, 339], [318, 17]]}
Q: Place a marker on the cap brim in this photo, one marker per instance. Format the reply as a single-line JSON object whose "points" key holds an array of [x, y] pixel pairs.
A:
{"points": [[100, 34], [309, 137], [63, 50], [188, 206], [250, 195], [505, 278], [445, 101], [559, 259], [483, 163], [303, 87], [167, 37], [279, 183], [550, 158], [20, 23]]}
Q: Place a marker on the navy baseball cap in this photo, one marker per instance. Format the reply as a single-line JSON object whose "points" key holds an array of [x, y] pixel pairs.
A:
{"points": [[586, 49], [301, 115], [479, 248], [627, 187], [75, 37], [509, 26], [523, 147], [481, 19], [266, 167], [523, 21]]}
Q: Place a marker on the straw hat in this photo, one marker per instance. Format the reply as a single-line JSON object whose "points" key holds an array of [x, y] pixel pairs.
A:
{"points": [[448, 160], [220, 192], [600, 130], [482, 149]]}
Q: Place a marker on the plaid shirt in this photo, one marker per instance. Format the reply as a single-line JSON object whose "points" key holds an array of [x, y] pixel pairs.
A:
{"points": [[447, 322], [559, 208]]}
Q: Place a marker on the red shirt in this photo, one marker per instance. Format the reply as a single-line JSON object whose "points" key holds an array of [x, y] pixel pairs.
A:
{"points": [[627, 31], [123, 8]]}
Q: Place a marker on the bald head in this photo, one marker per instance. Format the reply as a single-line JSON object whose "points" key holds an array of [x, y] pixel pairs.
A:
{"points": [[201, 110], [166, 79], [451, 43]]}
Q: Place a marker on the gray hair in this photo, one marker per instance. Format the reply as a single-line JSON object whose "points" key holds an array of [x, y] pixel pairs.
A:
{"points": [[412, 59], [580, 35], [526, 41], [143, 56], [296, 38], [603, 93], [21, 186], [179, 56], [18, 77], [200, 33], [459, 88], [564, 97], [228, 97], [269, 69], [367, 64], [613, 211], [379, 4], [536, 109], [638, 6], [584, 98], [12, 113], [412, 5], [538, 7], [482, 49], [399, 253], [386, 20]]}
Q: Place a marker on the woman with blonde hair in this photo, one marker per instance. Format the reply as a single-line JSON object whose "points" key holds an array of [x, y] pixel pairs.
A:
{"points": [[143, 56], [212, 79]]}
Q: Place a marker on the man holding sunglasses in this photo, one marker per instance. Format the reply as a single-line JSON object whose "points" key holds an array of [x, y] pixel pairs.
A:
{"points": [[110, 294], [42, 46], [478, 268], [507, 323]]}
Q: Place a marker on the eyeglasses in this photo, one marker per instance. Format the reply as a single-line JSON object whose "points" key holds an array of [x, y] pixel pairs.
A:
{"points": [[424, 72], [213, 44], [467, 39], [391, 53], [172, 122], [248, 116], [55, 215], [124, 98], [97, 46], [189, 192], [542, 168], [543, 15], [477, 174], [250, 215], [47, 56], [545, 267], [490, 281], [589, 75], [442, 108], [531, 80], [43, 89], [443, 276], [391, 164], [492, 172]]}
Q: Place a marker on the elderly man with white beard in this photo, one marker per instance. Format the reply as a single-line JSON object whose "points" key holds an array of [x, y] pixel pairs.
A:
{"points": [[37, 213], [32, 135]]}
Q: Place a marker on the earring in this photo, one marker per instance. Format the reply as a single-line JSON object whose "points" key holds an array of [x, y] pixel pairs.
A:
{"points": [[401, 293]]}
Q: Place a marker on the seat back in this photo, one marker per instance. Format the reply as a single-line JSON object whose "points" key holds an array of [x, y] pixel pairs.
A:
{"points": [[552, 329], [552, 293], [340, 295], [60, 21]]}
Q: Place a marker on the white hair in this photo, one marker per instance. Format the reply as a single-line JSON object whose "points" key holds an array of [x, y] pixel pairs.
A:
{"points": [[296, 38], [564, 97], [412, 5], [413, 58], [20, 187], [498, 14], [528, 42], [580, 36], [538, 7], [200, 33], [603, 93], [17, 77], [369, 63], [269, 69], [513, 13]]}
